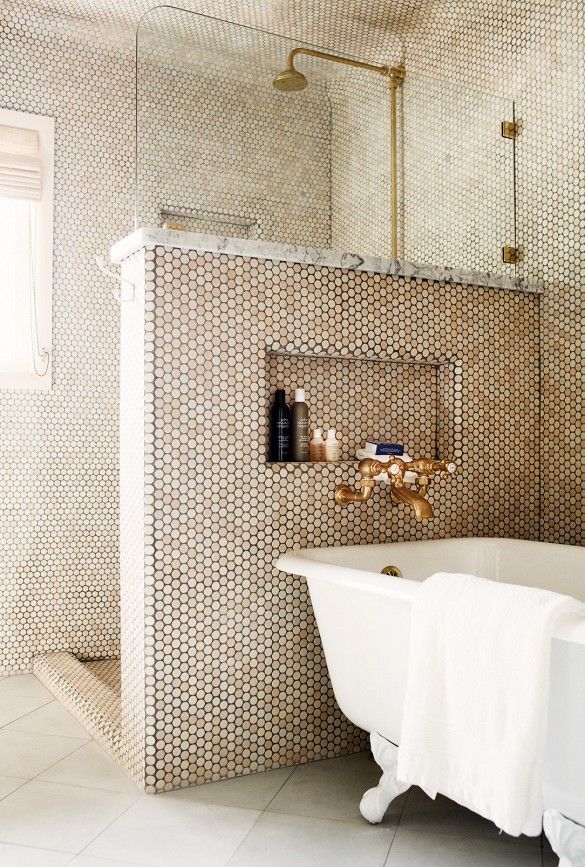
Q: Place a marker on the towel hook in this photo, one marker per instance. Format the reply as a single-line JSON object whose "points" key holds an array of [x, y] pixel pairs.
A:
{"points": [[123, 281]]}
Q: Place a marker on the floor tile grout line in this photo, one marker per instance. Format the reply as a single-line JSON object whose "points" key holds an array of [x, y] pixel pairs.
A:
{"points": [[7, 795], [107, 861], [39, 848], [281, 787], [92, 788], [109, 825], [78, 785], [53, 698], [354, 820], [398, 821], [244, 838], [261, 813], [36, 776], [385, 862], [53, 735], [35, 779], [27, 713]]}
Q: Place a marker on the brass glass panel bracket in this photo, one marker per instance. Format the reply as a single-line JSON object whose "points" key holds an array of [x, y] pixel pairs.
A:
{"points": [[291, 80], [511, 255], [510, 129], [396, 469]]}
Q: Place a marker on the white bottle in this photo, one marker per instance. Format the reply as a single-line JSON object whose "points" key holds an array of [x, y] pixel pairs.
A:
{"points": [[331, 446]]}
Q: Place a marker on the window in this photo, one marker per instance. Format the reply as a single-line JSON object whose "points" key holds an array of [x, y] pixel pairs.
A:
{"points": [[26, 250]]}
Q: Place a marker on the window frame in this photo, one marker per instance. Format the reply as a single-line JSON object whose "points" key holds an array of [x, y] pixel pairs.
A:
{"points": [[45, 126]]}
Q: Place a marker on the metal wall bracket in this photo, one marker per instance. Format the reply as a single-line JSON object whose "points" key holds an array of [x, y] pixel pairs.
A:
{"points": [[126, 289], [510, 129]]}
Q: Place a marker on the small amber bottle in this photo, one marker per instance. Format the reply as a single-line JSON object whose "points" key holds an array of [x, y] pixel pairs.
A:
{"points": [[317, 446]]}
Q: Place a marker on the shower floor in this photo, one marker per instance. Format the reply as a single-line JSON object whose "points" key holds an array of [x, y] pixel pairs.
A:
{"points": [[90, 690]]}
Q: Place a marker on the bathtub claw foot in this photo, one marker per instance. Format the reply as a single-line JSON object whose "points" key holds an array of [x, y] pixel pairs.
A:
{"points": [[567, 839], [376, 801]]}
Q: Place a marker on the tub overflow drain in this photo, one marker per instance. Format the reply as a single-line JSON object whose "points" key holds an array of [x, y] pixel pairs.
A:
{"points": [[392, 570]]}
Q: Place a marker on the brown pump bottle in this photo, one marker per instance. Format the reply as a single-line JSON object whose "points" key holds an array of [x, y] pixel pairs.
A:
{"points": [[299, 427]]}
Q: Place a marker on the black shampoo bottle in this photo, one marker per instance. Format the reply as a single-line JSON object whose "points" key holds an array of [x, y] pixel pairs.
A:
{"points": [[279, 428]]}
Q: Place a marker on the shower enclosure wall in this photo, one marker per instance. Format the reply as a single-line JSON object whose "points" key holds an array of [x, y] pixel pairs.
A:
{"points": [[222, 671]]}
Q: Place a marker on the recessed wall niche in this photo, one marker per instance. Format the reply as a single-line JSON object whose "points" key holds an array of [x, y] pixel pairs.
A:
{"points": [[396, 399]]}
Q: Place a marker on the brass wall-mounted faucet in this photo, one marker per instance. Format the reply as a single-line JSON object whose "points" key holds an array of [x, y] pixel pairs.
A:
{"points": [[396, 470]]}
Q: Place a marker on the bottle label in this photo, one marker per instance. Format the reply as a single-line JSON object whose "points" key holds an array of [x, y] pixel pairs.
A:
{"points": [[303, 429]]}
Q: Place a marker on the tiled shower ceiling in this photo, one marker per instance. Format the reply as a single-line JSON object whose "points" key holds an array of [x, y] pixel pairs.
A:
{"points": [[501, 32]]}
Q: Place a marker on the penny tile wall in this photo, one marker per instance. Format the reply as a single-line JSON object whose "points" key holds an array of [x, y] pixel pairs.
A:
{"points": [[516, 50], [59, 570], [60, 587], [458, 175], [235, 679]]}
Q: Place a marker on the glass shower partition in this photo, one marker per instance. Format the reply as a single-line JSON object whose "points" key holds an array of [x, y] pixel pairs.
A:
{"points": [[458, 179], [221, 151]]}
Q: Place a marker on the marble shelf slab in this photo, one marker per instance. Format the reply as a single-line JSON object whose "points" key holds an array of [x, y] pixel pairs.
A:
{"points": [[174, 239]]}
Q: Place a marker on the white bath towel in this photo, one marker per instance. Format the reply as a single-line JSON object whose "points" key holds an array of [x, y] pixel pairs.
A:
{"points": [[474, 724]]}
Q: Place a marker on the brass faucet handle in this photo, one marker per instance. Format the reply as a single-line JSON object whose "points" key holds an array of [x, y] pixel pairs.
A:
{"points": [[369, 468], [396, 469], [427, 467]]}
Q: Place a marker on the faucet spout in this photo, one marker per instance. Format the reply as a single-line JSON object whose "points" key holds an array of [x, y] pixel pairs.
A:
{"points": [[422, 507]]}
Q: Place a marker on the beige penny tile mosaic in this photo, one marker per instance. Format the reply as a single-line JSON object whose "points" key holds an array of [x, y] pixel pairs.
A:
{"points": [[234, 676], [108, 671], [513, 50], [221, 144], [59, 569]]}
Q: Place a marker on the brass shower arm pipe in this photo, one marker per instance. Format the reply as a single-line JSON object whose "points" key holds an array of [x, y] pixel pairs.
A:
{"points": [[395, 76], [324, 55]]}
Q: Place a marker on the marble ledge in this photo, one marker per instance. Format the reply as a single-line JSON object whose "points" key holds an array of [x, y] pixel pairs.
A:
{"points": [[173, 239]]}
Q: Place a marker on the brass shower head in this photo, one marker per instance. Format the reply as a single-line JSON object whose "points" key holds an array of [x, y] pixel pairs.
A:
{"points": [[290, 80]]}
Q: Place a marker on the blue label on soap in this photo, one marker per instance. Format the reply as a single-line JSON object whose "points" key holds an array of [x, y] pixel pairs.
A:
{"points": [[395, 449]]}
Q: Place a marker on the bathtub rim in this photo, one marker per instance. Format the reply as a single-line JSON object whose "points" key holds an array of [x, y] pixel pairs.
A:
{"points": [[300, 561]]}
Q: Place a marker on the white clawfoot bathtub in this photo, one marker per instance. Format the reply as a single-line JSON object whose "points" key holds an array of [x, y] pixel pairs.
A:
{"points": [[364, 623]]}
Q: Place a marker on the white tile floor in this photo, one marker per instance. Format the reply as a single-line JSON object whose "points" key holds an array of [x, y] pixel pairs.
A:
{"points": [[63, 801]]}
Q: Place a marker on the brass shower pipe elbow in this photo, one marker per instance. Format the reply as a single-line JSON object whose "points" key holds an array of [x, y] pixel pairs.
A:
{"points": [[396, 470], [325, 55]]}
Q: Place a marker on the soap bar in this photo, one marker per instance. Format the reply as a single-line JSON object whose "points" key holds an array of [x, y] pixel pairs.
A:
{"points": [[374, 448]]}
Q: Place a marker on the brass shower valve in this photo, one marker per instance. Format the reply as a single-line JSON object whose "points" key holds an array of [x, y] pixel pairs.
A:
{"points": [[396, 469]]}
